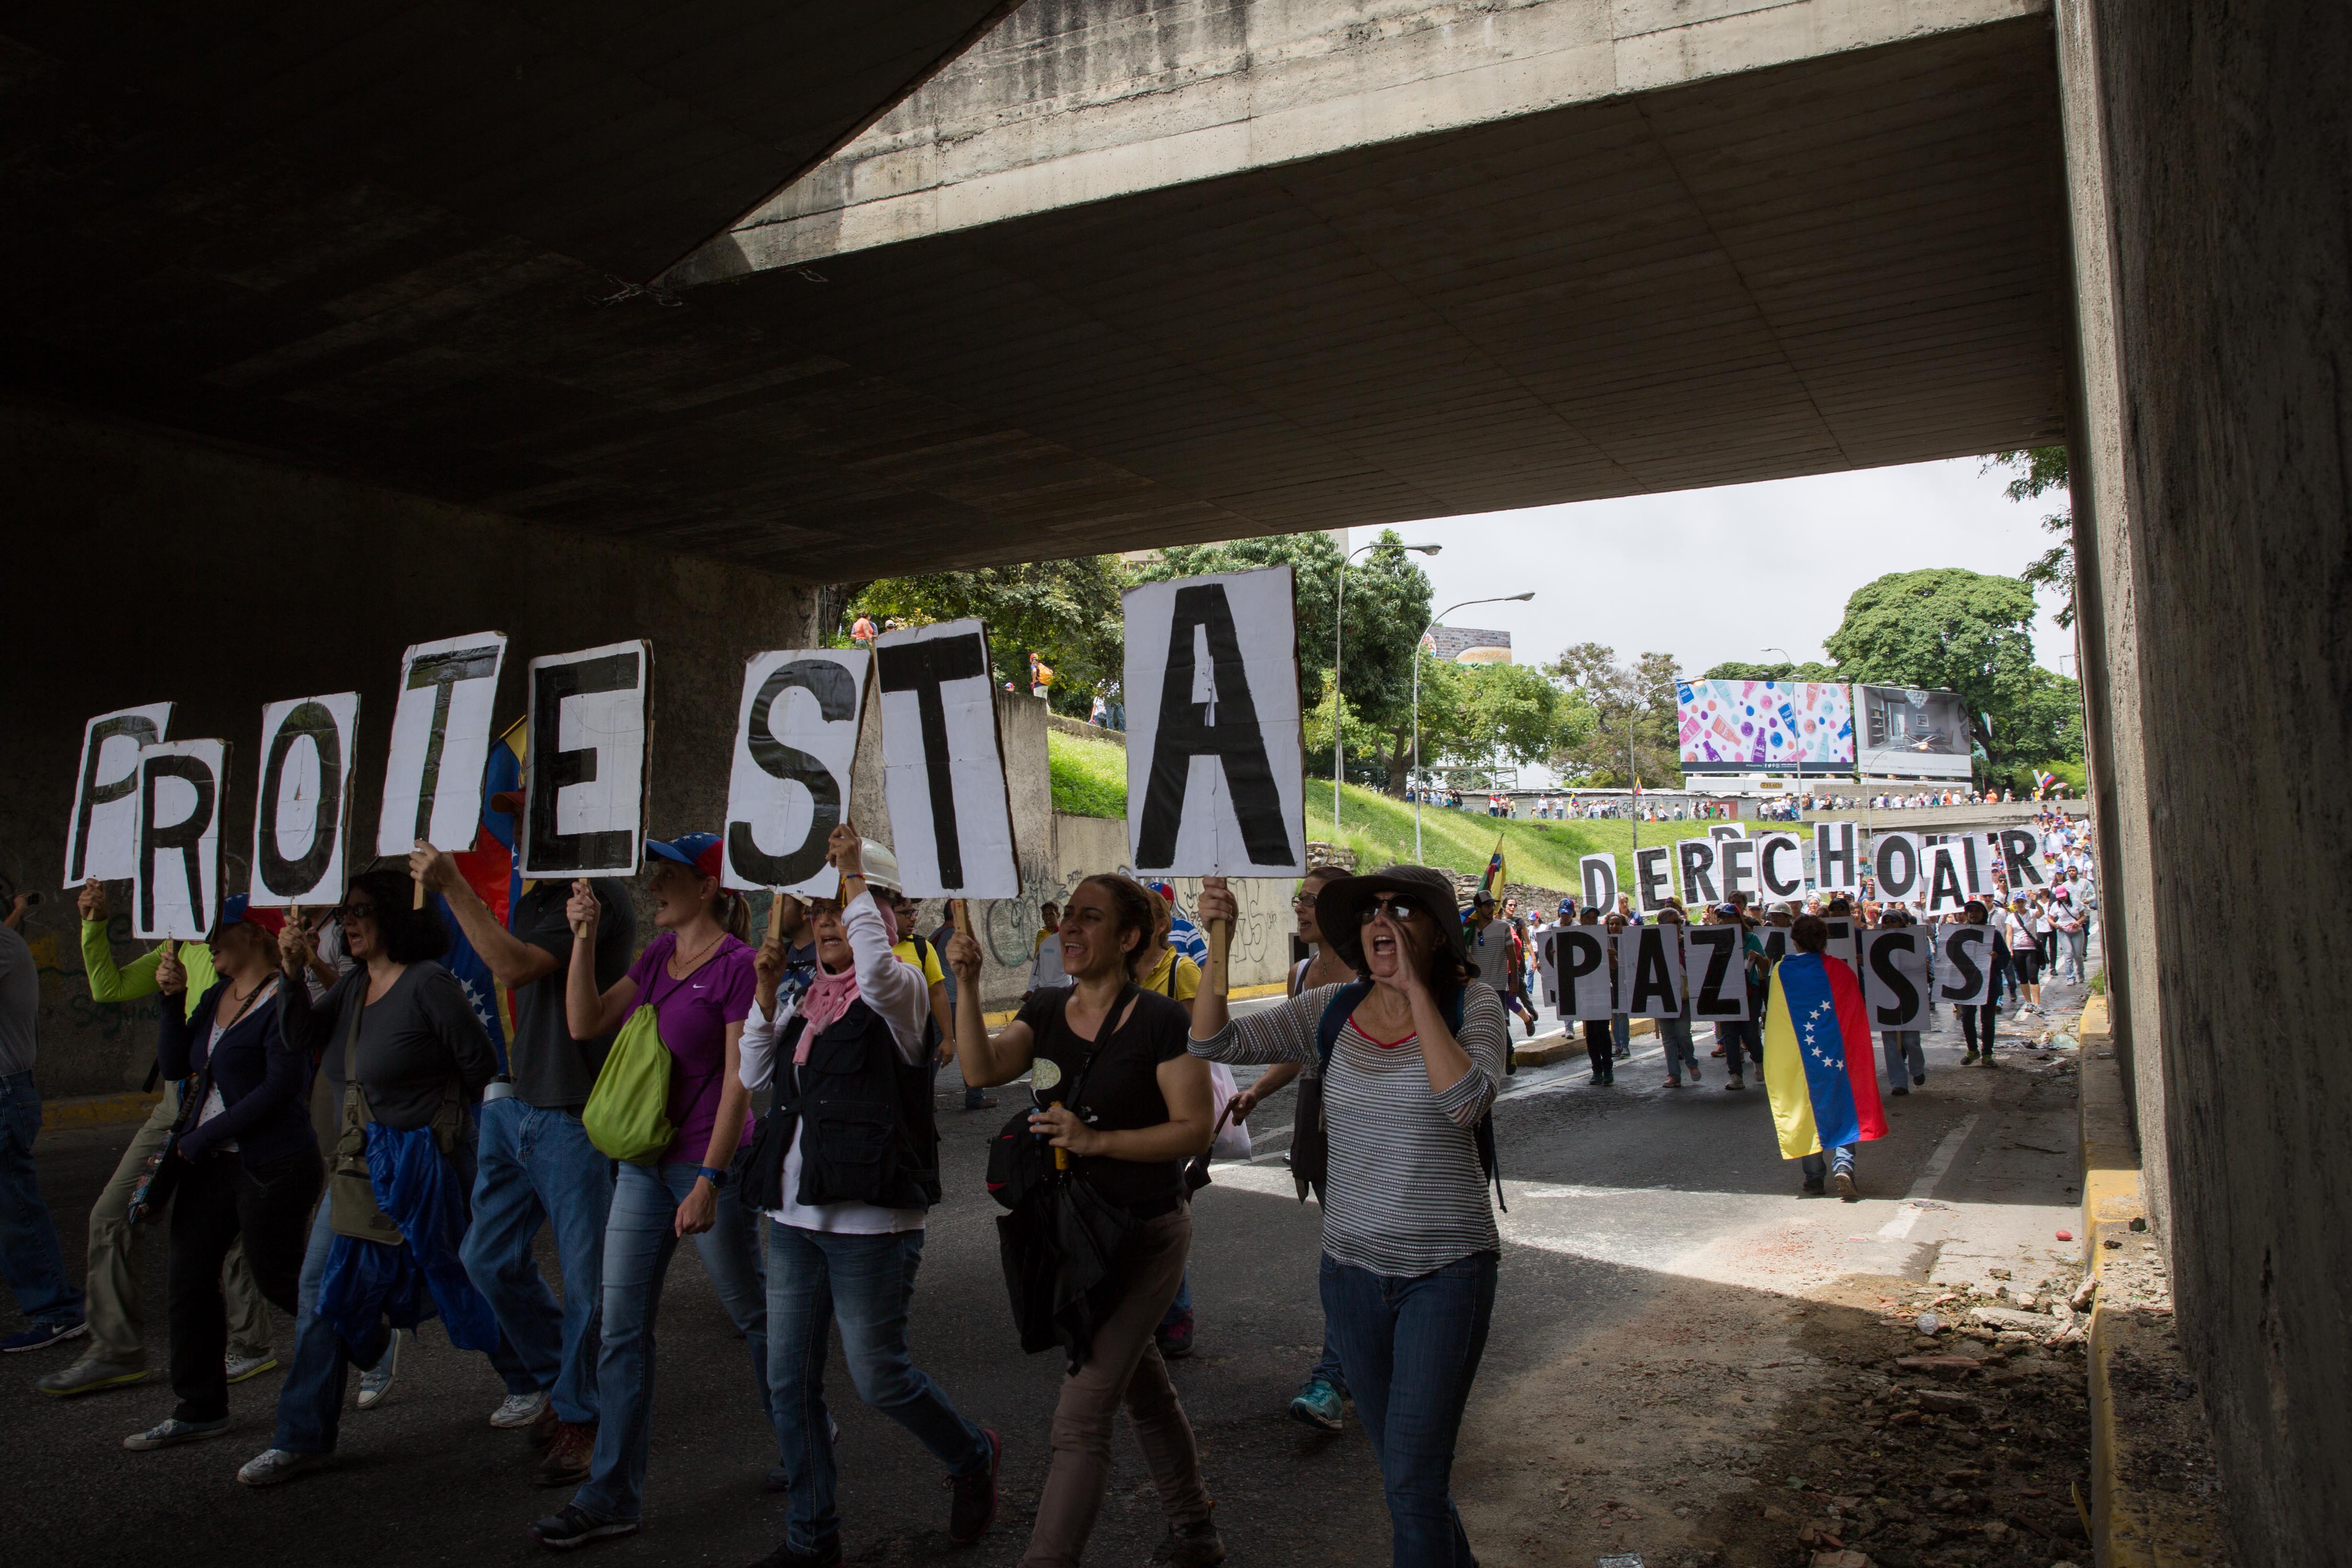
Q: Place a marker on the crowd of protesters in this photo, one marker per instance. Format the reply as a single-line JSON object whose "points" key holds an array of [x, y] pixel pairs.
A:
{"points": [[341, 1138]]}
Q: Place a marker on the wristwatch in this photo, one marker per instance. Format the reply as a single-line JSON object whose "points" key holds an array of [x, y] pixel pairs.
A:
{"points": [[714, 1176]]}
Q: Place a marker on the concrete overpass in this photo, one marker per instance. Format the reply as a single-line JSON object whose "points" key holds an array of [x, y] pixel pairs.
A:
{"points": [[326, 332]]}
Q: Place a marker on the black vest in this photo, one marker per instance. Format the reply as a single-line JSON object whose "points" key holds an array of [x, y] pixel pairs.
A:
{"points": [[867, 1132]]}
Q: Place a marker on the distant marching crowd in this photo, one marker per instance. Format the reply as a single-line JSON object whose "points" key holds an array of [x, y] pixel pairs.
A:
{"points": [[1622, 808]]}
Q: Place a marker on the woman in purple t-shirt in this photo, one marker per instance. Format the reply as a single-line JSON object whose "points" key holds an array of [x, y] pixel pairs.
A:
{"points": [[697, 975]]}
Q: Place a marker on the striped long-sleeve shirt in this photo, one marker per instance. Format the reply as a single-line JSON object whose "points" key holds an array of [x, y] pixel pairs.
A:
{"points": [[1403, 1194]]}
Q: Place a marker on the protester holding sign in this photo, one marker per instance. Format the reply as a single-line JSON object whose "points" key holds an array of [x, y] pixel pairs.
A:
{"points": [[1131, 1107], [244, 1168], [1979, 1021], [1905, 1058], [537, 1165], [845, 1215], [1412, 1055], [117, 1355], [1744, 1034], [674, 1130], [403, 1053]]}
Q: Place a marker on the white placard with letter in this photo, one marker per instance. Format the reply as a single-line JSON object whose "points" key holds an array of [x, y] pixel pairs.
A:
{"points": [[1215, 777], [177, 890], [303, 811], [103, 833], [440, 740], [943, 767], [788, 786], [1649, 971]]}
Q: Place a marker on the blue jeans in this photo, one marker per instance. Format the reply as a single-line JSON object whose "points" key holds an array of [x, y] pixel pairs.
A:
{"points": [[310, 1400], [640, 1238], [538, 1166], [1412, 1347], [1327, 1368], [1840, 1158], [817, 1279], [1681, 1057], [1620, 1029], [30, 1257]]}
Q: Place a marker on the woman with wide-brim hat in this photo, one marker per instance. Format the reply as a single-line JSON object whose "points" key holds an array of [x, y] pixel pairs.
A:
{"points": [[1410, 1247]]}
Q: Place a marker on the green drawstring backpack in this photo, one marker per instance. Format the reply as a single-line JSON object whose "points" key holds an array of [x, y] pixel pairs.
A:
{"points": [[627, 1114]]}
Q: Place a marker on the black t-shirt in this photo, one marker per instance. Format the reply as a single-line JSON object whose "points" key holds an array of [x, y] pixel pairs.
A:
{"points": [[414, 1040], [552, 1070], [1121, 1088]]}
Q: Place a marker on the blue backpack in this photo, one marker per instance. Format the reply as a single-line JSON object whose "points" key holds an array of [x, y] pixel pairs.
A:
{"points": [[1310, 1146]]}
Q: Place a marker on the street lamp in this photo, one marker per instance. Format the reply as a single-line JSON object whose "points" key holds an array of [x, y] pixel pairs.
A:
{"points": [[1339, 625], [1436, 621]]}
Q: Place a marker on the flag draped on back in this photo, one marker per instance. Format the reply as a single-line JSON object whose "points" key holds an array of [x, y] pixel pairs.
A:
{"points": [[1818, 1065], [1495, 877], [491, 867]]}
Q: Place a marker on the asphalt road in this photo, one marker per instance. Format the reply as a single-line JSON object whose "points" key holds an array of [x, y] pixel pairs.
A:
{"points": [[1607, 1187]]}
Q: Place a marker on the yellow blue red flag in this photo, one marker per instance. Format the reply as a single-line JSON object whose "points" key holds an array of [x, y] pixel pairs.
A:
{"points": [[1818, 1065]]}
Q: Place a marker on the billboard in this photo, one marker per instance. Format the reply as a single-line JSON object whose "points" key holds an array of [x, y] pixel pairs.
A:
{"points": [[1740, 726], [1913, 733]]}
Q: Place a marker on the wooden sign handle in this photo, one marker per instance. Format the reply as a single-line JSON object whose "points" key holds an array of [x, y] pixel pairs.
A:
{"points": [[418, 901], [1219, 930], [961, 912]]}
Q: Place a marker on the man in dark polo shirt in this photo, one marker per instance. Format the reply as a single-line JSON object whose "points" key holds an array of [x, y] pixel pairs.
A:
{"points": [[536, 1164]]}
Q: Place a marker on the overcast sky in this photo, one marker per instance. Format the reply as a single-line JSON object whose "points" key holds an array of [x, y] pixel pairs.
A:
{"points": [[1771, 564]]}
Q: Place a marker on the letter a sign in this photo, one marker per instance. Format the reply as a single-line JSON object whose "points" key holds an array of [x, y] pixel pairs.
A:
{"points": [[1216, 781]]}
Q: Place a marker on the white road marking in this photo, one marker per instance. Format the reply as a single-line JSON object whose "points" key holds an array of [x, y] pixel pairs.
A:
{"points": [[1899, 1227]]}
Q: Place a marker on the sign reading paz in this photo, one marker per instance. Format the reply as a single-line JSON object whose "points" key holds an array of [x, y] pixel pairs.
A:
{"points": [[795, 738], [942, 768], [1716, 965], [1583, 971], [1215, 780], [440, 740], [178, 874], [1649, 971], [102, 836], [302, 813]]}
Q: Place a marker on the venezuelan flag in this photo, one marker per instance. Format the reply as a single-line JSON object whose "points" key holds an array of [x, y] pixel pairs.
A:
{"points": [[1495, 877], [1819, 1067]]}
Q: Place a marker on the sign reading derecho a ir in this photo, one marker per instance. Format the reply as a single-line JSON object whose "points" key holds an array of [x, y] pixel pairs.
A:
{"points": [[1215, 778]]}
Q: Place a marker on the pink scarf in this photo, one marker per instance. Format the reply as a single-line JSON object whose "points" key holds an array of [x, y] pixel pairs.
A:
{"points": [[829, 995]]}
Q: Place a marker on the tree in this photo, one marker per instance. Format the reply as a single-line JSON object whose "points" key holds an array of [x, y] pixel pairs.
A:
{"points": [[1387, 607], [1732, 669], [1960, 631], [1631, 734], [2038, 470], [1066, 611], [1483, 715]]}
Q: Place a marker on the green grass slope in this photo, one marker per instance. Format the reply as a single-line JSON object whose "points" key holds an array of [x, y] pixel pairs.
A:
{"points": [[1089, 779]]}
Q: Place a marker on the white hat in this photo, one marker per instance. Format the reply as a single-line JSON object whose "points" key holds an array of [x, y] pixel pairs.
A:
{"points": [[881, 866]]}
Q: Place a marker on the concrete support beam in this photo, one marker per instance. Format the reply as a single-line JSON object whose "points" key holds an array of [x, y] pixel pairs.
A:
{"points": [[1067, 104]]}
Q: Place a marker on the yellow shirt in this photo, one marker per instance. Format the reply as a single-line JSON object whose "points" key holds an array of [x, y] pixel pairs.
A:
{"points": [[932, 973], [1183, 983]]}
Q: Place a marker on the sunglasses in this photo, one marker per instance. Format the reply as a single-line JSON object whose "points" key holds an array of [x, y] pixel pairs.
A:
{"points": [[348, 913], [1398, 910]]}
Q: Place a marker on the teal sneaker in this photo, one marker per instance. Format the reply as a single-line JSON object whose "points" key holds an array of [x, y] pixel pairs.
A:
{"points": [[1318, 1406]]}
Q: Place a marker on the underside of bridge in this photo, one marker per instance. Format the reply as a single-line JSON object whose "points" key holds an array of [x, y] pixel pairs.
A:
{"points": [[1843, 261]]}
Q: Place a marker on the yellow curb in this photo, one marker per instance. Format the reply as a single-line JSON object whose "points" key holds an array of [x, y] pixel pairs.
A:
{"points": [[97, 1110]]}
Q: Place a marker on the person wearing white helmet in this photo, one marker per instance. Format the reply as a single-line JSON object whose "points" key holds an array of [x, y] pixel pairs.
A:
{"points": [[844, 1170]]}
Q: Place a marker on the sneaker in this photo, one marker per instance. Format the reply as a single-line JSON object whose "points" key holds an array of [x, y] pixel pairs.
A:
{"points": [[88, 1377], [1673, 1083], [519, 1410], [1718, 1052], [1319, 1404], [1594, 1079], [272, 1465], [1918, 1080], [1736, 1084], [171, 1431], [985, 1102], [240, 1367], [376, 1381], [1900, 1090], [1967, 1058], [975, 1503], [41, 1336], [566, 1460], [571, 1526], [1175, 1340], [1843, 1182], [1814, 1187], [1191, 1546], [823, 1556]]}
